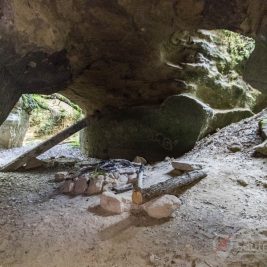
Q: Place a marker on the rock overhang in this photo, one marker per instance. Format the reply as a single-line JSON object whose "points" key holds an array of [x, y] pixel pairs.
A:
{"points": [[47, 45], [107, 54]]}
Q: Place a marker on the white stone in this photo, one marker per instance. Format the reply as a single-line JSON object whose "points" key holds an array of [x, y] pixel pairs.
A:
{"points": [[162, 207], [67, 187], [96, 185], [132, 178], [127, 200], [109, 179], [111, 203], [140, 160], [107, 188], [154, 260], [123, 179], [167, 159], [81, 184], [116, 175], [60, 176], [101, 177], [185, 166]]}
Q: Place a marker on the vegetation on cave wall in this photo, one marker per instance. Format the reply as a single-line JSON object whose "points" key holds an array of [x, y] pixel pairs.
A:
{"points": [[239, 48], [50, 113], [210, 64]]}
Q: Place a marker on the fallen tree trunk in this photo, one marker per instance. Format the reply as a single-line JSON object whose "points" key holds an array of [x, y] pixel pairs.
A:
{"points": [[170, 186], [44, 146]]}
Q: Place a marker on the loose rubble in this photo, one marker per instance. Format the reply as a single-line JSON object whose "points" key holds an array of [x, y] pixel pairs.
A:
{"points": [[242, 182], [235, 147], [100, 177]]}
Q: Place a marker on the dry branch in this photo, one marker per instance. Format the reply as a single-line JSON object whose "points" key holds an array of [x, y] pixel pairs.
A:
{"points": [[44, 146]]}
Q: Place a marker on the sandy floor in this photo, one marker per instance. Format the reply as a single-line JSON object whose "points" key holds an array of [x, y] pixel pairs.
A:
{"points": [[221, 222]]}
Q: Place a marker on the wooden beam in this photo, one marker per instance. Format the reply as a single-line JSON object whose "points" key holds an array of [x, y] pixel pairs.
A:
{"points": [[170, 186], [44, 146]]}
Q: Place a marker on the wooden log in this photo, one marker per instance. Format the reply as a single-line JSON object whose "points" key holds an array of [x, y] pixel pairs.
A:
{"points": [[44, 146], [170, 186]]}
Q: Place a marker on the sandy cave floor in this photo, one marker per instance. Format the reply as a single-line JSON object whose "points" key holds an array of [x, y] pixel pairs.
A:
{"points": [[221, 222]]}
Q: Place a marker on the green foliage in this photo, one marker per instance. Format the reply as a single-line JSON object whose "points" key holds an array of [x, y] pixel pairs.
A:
{"points": [[239, 48], [211, 65], [48, 126], [34, 101], [75, 143], [29, 103], [50, 114], [263, 123]]}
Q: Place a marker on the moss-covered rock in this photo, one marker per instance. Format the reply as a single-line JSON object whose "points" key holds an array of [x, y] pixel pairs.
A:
{"points": [[170, 129], [210, 64], [222, 118], [152, 132]]}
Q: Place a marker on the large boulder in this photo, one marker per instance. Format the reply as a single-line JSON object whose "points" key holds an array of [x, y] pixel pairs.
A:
{"points": [[170, 129], [153, 132], [13, 130]]}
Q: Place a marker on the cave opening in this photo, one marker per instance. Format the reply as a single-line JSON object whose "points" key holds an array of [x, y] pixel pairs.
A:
{"points": [[139, 137]]}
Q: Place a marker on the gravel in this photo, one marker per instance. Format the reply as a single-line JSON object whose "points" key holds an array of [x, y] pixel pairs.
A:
{"points": [[63, 149]]}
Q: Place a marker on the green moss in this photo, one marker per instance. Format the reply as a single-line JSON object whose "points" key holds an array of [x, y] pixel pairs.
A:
{"points": [[47, 116], [212, 63], [238, 47], [29, 103]]}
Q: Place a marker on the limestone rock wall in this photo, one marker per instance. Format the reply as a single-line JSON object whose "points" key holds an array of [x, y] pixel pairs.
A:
{"points": [[13, 130], [154, 132], [210, 64], [105, 52]]}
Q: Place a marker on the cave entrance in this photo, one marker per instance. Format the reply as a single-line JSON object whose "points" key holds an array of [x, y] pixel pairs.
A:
{"points": [[50, 114], [38, 123]]}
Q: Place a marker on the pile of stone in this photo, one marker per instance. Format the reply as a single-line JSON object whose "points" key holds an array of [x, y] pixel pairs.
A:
{"points": [[100, 177], [106, 177]]}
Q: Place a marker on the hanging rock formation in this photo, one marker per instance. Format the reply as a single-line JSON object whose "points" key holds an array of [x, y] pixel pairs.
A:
{"points": [[107, 53]]}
